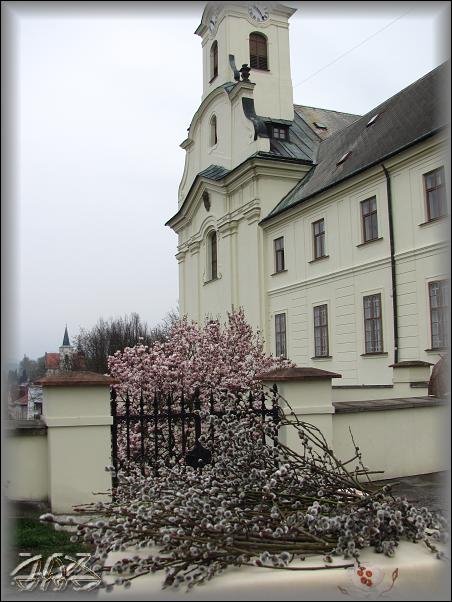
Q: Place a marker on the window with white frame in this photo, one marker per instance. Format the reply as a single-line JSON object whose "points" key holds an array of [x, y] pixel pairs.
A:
{"points": [[279, 254], [321, 342], [280, 335], [212, 256], [369, 219], [318, 233], [373, 324], [435, 194], [439, 309]]}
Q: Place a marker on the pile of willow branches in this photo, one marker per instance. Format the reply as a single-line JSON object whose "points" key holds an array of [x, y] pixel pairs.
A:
{"points": [[258, 504]]}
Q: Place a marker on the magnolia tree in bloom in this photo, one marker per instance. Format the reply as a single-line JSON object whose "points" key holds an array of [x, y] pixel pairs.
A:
{"points": [[210, 356]]}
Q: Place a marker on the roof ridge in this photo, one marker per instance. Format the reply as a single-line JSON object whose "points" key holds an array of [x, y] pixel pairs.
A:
{"points": [[329, 110], [384, 102]]}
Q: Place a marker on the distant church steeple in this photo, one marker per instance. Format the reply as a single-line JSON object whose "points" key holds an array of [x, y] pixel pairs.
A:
{"points": [[66, 342]]}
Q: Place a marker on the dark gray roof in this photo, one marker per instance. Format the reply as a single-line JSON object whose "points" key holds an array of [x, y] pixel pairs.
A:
{"points": [[214, 172], [406, 118], [333, 120], [303, 142]]}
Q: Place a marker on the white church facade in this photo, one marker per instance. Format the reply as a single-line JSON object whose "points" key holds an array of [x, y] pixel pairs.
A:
{"points": [[329, 229]]}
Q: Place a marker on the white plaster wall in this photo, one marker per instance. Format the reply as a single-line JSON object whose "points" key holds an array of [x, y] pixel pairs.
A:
{"points": [[236, 208], [399, 442], [79, 444], [27, 467], [353, 270]]}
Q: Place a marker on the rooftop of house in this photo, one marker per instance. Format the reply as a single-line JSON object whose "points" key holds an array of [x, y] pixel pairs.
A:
{"points": [[52, 361], [406, 118], [340, 145]]}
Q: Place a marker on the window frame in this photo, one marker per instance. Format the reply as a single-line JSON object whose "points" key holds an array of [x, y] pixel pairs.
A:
{"points": [[370, 345], [280, 260], [370, 214], [279, 132], [281, 335], [213, 131], [323, 329], [212, 255], [258, 60], [320, 235], [213, 61], [443, 196], [443, 311]]}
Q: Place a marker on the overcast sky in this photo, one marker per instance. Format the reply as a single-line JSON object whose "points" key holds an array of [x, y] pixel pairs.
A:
{"points": [[103, 100]]}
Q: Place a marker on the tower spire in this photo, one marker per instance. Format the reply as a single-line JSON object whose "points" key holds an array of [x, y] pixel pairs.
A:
{"points": [[66, 342]]}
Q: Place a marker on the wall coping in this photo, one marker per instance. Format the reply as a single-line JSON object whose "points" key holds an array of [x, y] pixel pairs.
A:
{"points": [[76, 379], [411, 364], [296, 374], [343, 387], [26, 427], [342, 407]]}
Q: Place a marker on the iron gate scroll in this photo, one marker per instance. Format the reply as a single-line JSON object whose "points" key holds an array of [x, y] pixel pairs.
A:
{"points": [[174, 428]]}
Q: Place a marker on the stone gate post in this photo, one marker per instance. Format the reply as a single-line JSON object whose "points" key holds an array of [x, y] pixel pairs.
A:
{"points": [[309, 393], [76, 410]]}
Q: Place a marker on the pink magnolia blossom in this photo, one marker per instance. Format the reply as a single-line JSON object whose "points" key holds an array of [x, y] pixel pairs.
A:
{"points": [[210, 356]]}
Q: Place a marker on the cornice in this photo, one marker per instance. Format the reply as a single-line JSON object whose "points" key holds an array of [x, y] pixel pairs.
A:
{"points": [[250, 167], [379, 263], [228, 228]]}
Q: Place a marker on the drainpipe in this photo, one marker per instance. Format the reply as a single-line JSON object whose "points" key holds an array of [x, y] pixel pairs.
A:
{"points": [[393, 266]]}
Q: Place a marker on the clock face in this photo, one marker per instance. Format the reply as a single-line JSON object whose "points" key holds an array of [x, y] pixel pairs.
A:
{"points": [[212, 23], [258, 12]]}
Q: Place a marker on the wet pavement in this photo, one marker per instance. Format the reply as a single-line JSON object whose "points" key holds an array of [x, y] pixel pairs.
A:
{"points": [[431, 490]]}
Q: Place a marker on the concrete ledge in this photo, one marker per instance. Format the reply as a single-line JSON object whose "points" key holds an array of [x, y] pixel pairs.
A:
{"points": [[79, 421], [411, 364], [26, 427], [342, 407], [304, 410], [344, 387]]}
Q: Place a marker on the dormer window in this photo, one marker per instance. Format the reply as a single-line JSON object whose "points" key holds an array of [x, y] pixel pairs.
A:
{"points": [[258, 52], [213, 61], [213, 131], [279, 132], [344, 158]]}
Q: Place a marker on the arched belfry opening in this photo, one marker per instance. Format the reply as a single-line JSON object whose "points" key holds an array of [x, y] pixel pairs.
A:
{"points": [[212, 255], [213, 131], [214, 60]]}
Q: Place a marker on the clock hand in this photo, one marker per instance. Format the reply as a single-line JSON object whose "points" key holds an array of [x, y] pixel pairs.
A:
{"points": [[258, 10]]}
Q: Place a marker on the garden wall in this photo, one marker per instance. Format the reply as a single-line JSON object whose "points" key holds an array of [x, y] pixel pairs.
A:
{"points": [[27, 461], [63, 458]]}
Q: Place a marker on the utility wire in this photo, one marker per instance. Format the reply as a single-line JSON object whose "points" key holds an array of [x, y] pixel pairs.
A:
{"points": [[354, 48]]}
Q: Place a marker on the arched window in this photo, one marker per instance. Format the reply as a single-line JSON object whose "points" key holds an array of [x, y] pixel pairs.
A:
{"points": [[213, 60], [212, 255], [258, 51], [213, 131]]}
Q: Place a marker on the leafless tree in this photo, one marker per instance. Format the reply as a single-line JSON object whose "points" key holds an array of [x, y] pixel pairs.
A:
{"points": [[115, 334]]}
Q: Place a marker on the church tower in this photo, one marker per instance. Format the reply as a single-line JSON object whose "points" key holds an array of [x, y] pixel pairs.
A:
{"points": [[255, 34], [242, 155], [67, 352], [247, 86]]}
